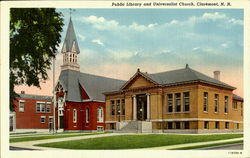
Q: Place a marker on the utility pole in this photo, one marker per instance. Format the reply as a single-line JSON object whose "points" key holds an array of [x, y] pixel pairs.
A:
{"points": [[54, 97]]}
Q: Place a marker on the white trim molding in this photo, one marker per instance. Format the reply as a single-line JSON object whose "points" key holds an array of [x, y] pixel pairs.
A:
{"points": [[196, 119], [111, 121]]}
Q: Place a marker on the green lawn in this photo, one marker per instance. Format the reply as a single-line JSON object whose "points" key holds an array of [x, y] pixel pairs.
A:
{"points": [[41, 137], [137, 141], [209, 145]]}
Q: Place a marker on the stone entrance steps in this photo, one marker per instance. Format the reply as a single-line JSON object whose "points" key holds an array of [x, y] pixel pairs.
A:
{"points": [[134, 127]]}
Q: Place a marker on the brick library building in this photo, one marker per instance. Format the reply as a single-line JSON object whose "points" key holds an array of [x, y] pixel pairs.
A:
{"points": [[178, 101]]}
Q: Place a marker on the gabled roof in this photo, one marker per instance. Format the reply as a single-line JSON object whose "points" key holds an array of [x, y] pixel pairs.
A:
{"points": [[134, 76], [236, 97], [94, 85], [34, 97], [70, 39], [180, 76]]}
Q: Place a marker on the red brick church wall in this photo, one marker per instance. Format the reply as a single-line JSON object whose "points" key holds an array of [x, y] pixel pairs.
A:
{"points": [[81, 123]]}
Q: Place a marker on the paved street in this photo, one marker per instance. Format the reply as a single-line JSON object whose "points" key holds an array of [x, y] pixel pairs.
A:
{"points": [[225, 147], [17, 148]]}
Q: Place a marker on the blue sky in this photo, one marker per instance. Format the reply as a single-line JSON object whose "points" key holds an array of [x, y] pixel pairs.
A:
{"points": [[115, 42]]}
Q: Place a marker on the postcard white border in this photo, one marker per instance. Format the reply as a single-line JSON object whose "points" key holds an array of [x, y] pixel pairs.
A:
{"points": [[4, 66]]}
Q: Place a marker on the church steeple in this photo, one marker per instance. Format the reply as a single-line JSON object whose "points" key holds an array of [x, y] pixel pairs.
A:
{"points": [[70, 49]]}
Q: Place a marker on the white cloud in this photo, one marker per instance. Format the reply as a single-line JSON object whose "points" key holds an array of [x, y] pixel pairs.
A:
{"points": [[235, 21], [213, 16], [226, 44], [196, 48], [100, 22], [174, 22], [97, 41], [152, 25], [165, 51], [94, 19], [138, 27]]}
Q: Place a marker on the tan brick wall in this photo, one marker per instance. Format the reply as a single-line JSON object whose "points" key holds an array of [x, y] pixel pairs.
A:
{"points": [[158, 104], [192, 89]]}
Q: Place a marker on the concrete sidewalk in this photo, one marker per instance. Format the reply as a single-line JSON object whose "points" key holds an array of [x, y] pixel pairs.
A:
{"points": [[30, 144]]}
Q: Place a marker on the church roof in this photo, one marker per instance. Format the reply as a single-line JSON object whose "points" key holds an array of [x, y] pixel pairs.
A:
{"points": [[182, 76], [70, 39], [94, 85]]}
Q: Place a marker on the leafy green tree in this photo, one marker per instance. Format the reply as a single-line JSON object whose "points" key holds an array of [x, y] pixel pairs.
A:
{"points": [[34, 38]]}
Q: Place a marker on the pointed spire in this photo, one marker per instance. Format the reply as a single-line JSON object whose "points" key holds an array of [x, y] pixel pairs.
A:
{"points": [[70, 39]]}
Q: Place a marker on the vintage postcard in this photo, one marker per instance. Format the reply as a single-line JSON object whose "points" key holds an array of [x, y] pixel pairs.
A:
{"points": [[125, 79]]}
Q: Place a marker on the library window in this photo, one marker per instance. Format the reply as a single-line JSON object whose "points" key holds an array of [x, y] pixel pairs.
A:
{"points": [[170, 125], [186, 125], [177, 125], [226, 125], [217, 125], [170, 103], [118, 112], [186, 101], [216, 102], [235, 104], [226, 104], [112, 107], [206, 124], [123, 107], [177, 102], [205, 103]]}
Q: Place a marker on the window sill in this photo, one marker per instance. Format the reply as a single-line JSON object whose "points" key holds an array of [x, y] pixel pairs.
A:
{"points": [[178, 112], [205, 112]]}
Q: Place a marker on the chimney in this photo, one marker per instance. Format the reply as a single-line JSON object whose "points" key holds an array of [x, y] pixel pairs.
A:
{"points": [[217, 75], [22, 92]]}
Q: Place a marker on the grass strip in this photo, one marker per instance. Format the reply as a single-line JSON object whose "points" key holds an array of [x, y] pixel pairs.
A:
{"points": [[208, 145], [137, 141], [32, 138]]}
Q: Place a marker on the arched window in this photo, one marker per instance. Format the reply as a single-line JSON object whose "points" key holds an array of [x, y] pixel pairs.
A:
{"points": [[74, 115], [100, 114], [87, 115]]}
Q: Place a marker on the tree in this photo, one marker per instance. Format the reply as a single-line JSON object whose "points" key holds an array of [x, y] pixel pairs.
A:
{"points": [[34, 38]]}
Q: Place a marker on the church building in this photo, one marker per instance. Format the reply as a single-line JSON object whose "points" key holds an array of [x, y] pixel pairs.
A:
{"points": [[80, 102]]}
